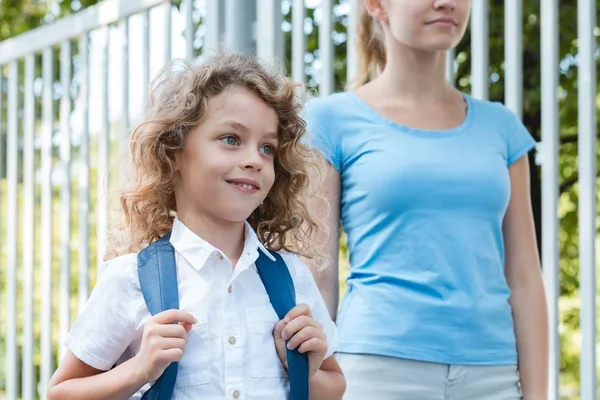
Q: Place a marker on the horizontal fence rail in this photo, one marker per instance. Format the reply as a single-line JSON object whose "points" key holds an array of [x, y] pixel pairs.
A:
{"points": [[71, 90]]}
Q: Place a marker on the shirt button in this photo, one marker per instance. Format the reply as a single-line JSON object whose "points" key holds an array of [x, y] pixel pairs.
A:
{"points": [[232, 340], [229, 289], [219, 256], [236, 394]]}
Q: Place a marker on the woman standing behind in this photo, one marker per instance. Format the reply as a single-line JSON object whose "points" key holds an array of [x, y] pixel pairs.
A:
{"points": [[445, 298]]}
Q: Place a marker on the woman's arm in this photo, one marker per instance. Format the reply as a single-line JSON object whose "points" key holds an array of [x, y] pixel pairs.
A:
{"points": [[74, 379], [523, 274], [327, 209], [328, 383]]}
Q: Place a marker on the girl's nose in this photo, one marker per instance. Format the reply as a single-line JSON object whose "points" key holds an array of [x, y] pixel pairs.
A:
{"points": [[253, 160]]}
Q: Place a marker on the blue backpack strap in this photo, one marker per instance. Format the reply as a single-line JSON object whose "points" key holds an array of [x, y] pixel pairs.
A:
{"points": [[278, 282], [158, 280]]}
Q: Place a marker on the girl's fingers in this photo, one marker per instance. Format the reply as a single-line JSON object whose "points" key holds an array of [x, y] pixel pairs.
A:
{"points": [[170, 316], [300, 309], [304, 335], [171, 330], [297, 324], [171, 355], [314, 345], [188, 327], [172, 343], [278, 329]]}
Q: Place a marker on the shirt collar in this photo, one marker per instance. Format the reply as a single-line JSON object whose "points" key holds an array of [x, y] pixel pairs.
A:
{"points": [[198, 251]]}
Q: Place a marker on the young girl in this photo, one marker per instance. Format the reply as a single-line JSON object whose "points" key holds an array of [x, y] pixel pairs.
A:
{"points": [[432, 187], [220, 165]]}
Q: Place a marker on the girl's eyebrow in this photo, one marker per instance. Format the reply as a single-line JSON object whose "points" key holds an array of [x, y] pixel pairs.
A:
{"points": [[272, 135], [241, 127], [235, 125]]}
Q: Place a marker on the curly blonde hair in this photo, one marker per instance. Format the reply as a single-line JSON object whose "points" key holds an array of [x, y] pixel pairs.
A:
{"points": [[177, 102]]}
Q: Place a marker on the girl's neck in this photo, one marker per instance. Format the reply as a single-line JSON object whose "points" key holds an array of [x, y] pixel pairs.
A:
{"points": [[414, 75], [224, 235]]}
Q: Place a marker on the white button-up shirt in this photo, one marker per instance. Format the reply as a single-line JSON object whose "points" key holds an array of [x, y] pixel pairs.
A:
{"points": [[230, 352]]}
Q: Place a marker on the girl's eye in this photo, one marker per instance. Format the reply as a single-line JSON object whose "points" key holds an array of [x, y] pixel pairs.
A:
{"points": [[268, 149], [230, 140]]}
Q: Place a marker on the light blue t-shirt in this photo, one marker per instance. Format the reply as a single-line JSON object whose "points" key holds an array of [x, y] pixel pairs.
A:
{"points": [[423, 213]]}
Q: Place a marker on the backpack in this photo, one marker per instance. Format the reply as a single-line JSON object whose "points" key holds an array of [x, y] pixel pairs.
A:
{"points": [[158, 281]]}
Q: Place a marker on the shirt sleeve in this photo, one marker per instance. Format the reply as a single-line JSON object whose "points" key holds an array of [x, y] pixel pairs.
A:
{"points": [[105, 328], [519, 140], [308, 293], [320, 135]]}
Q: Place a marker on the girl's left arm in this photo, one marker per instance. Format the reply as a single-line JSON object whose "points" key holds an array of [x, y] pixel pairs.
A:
{"points": [[523, 274], [328, 383], [306, 334]]}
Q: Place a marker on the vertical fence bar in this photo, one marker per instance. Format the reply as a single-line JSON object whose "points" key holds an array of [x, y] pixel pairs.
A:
{"points": [[189, 28], [125, 74], [586, 83], [352, 56], [450, 74], [212, 38], [46, 220], [168, 33], [145, 55], [326, 85], [480, 50], [125, 78], [12, 149], [2, 122], [65, 195], [11, 230], [84, 175], [269, 38], [2, 239], [103, 145], [550, 138], [239, 26], [28, 381], [513, 55], [298, 40]]}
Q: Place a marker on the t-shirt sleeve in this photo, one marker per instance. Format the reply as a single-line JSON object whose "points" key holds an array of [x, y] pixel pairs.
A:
{"points": [[308, 293], [106, 326], [519, 140], [320, 135]]}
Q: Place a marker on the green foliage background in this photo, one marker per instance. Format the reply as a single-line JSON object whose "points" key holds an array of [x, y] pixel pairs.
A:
{"points": [[17, 16]]}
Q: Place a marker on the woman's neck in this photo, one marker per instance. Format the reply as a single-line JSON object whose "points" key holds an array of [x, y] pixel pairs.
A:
{"points": [[225, 235], [415, 75]]}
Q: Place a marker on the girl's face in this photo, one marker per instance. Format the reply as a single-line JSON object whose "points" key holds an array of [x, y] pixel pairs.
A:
{"points": [[428, 25], [226, 168]]}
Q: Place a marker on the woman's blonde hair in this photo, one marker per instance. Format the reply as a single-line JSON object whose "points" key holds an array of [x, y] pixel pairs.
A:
{"points": [[370, 47], [177, 103]]}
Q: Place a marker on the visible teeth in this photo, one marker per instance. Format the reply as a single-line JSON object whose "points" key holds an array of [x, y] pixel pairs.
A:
{"points": [[246, 186]]}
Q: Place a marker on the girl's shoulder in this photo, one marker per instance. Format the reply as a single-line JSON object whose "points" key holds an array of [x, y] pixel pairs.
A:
{"points": [[292, 260], [121, 269], [300, 272]]}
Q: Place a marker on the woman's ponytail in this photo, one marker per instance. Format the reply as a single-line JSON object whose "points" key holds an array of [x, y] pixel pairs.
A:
{"points": [[370, 47]]}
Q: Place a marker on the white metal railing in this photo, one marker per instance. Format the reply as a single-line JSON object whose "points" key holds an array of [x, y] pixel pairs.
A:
{"points": [[80, 173], [27, 49], [587, 84], [549, 151]]}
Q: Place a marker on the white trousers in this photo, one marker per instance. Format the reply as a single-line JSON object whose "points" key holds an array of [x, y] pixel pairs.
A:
{"points": [[372, 377]]}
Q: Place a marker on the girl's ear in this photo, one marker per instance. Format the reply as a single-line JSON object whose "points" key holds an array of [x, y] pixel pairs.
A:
{"points": [[376, 10]]}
